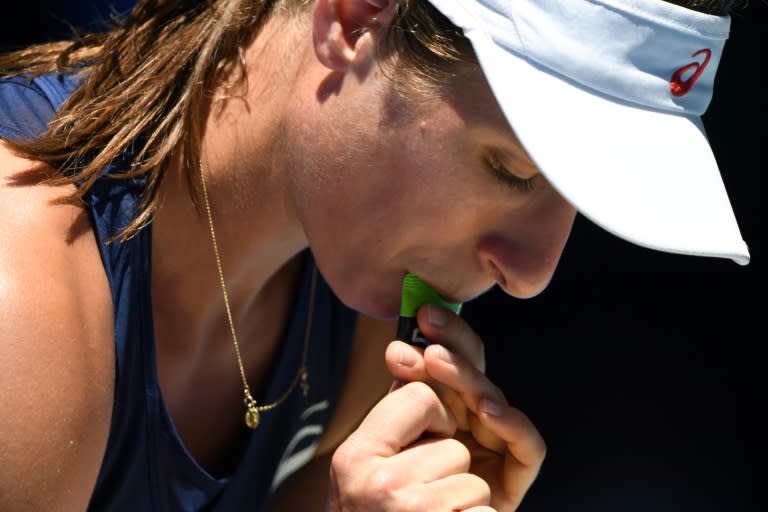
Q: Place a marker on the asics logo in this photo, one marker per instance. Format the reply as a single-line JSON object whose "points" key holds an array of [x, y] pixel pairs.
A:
{"points": [[681, 86]]}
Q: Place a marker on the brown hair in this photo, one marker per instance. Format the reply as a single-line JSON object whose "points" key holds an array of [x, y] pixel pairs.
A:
{"points": [[716, 7], [145, 82]]}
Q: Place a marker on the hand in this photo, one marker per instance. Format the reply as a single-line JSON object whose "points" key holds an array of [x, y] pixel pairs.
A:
{"points": [[505, 447], [403, 458]]}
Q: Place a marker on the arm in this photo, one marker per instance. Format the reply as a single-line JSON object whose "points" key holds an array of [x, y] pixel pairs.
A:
{"points": [[56, 351]]}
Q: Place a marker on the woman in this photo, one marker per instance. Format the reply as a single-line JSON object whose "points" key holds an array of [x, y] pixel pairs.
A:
{"points": [[162, 185]]}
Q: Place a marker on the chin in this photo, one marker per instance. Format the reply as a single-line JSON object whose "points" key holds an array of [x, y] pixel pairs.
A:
{"points": [[370, 304], [363, 290], [388, 314], [380, 310]]}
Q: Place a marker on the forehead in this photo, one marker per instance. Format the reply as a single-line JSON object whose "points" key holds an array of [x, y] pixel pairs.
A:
{"points": [[472, 99], [466, 103]]}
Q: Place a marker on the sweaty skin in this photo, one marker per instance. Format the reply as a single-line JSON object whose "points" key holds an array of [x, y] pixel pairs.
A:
{"points": [[317, 151]]}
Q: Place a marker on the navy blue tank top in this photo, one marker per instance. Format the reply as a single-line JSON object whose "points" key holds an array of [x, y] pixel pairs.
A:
{"points": [[146, 466]]}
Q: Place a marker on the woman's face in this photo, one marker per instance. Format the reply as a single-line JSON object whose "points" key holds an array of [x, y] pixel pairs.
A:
{"points": [[435, 186]]}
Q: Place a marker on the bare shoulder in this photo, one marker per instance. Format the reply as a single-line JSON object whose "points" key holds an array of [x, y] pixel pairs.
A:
{"points": [[367, 379], [56, 346]]}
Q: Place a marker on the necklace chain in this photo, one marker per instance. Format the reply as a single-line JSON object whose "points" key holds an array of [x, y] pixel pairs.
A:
{"points": [[253, 409]]}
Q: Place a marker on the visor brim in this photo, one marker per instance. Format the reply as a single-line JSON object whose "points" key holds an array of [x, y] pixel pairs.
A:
{"points": [[647, 176]]}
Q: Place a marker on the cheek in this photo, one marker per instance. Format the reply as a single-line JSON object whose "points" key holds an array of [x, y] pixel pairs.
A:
{"points": [[347, 204], [375, 204], [365, 186]]}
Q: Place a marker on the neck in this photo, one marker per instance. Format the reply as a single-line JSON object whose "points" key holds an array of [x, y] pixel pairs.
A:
{"points": [[250, 194]]}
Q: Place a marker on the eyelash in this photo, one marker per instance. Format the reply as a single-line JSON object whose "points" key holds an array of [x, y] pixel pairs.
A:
{"points": [[517, 183]]}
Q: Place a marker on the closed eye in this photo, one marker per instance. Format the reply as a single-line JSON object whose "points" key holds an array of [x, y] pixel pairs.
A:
{"points": [[523, 185]]}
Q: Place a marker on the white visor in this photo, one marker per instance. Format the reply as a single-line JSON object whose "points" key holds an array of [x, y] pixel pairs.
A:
{"points": [[605, 96]]}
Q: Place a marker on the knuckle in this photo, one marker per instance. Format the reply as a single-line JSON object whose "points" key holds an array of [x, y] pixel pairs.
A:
{"points": [[345, 459], [458, 451], [360, 485], [416, 501], [371, 490], [384, 481], [479, 491], [484, 489], [422, 393]]}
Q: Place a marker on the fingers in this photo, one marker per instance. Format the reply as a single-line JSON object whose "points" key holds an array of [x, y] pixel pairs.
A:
{"points": [[408, 476], [440, 326], [385, 465], [456, 492], [429, 460], [443, 327], [486, 401], [455, 372], [400, 418], [405, 362], [446, 328], [454, 366], [494, 423], [526, 448]]}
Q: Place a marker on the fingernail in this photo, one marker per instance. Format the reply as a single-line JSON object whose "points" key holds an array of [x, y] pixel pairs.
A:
{"points": [[407, 357], [444, 354], [491, 408], [437, 316]]}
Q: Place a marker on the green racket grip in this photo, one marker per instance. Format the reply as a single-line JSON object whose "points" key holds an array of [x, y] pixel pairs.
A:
{"points": [[416, 293]]}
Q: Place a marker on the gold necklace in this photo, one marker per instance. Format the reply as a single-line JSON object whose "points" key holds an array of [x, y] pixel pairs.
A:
{"points": [[253, 409]]}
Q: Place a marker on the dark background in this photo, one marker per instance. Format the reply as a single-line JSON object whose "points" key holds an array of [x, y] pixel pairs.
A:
{"points": [[644, 371]]}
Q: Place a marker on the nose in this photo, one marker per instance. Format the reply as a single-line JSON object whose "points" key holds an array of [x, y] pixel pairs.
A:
{"points": [[523, 256]]}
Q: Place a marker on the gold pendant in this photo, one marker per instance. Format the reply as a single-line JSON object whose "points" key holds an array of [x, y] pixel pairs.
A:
{"points": [[304, 381], [252, 417]]}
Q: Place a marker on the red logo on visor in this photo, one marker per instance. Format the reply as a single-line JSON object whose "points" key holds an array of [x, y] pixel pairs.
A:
{"points": [[681, 86]]}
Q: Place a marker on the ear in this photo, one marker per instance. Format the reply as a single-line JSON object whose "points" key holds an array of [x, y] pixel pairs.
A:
{"points": [[337, 25]]}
